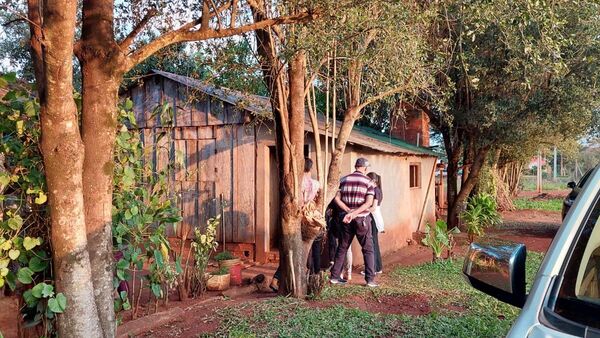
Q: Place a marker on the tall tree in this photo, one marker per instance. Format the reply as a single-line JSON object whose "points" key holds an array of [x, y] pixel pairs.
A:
{"points": [[508, 73], [79, 164]]}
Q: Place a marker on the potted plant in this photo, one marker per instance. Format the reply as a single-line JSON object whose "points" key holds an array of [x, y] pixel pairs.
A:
{"points": [[226, 259], [218, 280]]}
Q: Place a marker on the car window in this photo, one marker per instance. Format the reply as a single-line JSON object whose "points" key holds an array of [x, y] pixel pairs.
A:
{"points": [[579, 294]]}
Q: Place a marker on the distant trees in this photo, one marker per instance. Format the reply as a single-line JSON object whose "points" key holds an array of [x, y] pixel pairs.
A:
{"points": [[510, 73]]}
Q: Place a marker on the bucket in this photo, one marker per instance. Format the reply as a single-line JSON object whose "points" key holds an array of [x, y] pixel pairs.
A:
{"points": [[235, 271]]}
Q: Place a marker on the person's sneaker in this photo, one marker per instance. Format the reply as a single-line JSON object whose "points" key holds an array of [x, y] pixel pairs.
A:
{"points": [[377, 273], [372, 285], [340, 281]]}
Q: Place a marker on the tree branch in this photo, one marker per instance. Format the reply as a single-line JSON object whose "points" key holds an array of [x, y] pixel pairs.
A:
{"points": [[381, 95], [137, 29], [185, 34]]}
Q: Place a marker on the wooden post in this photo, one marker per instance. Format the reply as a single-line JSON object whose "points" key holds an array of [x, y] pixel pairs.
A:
{"points": [[262, 234], [539, 173]]}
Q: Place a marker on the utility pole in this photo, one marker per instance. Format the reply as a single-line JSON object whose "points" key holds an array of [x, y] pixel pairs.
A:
{"points": [[555, 168]]}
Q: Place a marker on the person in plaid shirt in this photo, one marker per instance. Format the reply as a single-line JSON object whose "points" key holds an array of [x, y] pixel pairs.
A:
{"points": [[354, 198]]}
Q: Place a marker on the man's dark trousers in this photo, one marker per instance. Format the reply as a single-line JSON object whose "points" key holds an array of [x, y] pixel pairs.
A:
{"points": [[361, 228]]}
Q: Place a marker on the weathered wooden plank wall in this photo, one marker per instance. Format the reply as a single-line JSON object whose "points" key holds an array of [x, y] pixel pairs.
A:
{"points": [[217, 149]]}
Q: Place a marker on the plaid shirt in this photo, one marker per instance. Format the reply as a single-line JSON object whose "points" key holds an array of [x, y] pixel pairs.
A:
{"points": [[354, 189]]}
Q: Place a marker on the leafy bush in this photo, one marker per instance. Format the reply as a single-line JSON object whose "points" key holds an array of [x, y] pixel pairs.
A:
{"points": [[143, 206], [481, 213], [25, 260], [223, 256], [438, 238]]}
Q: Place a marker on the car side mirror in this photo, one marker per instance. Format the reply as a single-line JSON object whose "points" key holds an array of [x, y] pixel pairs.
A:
{"points": [[571, 185], [497, 268]]}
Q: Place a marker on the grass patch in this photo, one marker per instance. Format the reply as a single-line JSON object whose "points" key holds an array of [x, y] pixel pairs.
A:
{"points": [[554, 204], [457, 310], [284, 317]]}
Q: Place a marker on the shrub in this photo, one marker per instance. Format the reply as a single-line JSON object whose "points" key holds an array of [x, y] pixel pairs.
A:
{"points": [[481, 212], [438, 238], [222, 271], [223, 256], [203, 245]]}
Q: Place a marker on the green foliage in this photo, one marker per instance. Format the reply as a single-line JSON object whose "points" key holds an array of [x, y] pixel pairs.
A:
{"points": [[553, 204], [438, 238], [481, 213], [224, 255], [25, 264], [143, 206], [221, 271], [203, 245]]}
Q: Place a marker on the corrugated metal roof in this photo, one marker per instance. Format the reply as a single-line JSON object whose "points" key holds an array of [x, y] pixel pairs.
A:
{"points": [[261, 105]]}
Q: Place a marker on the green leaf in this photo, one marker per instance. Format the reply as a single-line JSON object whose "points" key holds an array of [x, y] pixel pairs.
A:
{"points": [[158, 257], [11, 280], [128, 104], [14, 254], [29, 108], [156, 290], [37, 265], [41, 199], [36, 291], [30, 243], [48, 290], [9, 77], [58, 304], [20, 127], [24, 275], [15, 222], [30, 299]]}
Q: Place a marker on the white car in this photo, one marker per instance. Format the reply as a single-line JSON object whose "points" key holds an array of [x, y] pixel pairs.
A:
{"points": [[564, 300]]}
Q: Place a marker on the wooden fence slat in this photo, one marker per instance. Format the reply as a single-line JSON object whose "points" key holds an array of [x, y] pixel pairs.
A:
{"points": [[189, 199], [199, 110]]}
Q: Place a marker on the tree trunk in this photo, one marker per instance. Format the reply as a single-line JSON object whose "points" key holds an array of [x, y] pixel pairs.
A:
{"points": [[100, 60], [293, 256], [467, 187], [63, 153], [453, 150], [333, 175]]}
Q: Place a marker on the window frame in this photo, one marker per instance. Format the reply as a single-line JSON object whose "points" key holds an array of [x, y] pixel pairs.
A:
{"points": [[418, 179], [548, 316]]}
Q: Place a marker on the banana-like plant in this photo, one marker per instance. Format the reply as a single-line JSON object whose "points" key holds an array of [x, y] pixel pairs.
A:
{"points": [[438, 237]]}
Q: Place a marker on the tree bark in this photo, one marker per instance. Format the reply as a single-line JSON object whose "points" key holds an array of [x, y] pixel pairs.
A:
{"points": [[63, 154], [467, 186], [333, 175], [453, 149], [101, 61]]}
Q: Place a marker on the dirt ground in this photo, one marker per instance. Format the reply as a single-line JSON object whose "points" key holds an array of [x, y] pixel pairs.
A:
{"points": [[532, 227]]}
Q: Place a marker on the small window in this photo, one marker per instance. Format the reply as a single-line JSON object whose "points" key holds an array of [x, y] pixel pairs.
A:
{"points": [[415, 175]]}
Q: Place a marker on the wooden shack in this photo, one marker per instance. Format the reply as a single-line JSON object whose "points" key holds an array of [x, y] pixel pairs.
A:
{"points": [[227, 145]]}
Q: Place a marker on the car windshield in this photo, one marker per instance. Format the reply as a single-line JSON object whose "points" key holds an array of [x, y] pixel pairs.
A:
{"points": [[579, 294]]}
